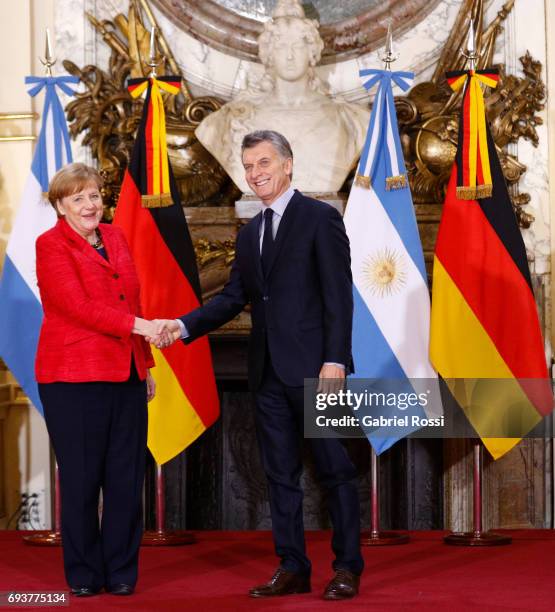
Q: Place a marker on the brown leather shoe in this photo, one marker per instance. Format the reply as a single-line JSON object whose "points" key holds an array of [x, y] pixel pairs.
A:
{"points": [[282, 583], [343, 585]]}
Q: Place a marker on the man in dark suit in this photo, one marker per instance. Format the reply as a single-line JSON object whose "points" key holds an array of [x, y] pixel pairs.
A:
{"points": [[292, 264]]}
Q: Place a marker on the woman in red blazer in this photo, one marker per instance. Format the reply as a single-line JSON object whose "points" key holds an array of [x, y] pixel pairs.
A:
{"points": [[92, 369]]}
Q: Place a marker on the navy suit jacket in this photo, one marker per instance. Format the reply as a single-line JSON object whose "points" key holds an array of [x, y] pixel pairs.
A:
{"points": [[302, 310]]}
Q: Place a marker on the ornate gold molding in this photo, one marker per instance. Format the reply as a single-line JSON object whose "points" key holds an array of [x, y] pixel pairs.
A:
{"points": [[429, 114], [15, 117], [208, 251], [108, 116]]}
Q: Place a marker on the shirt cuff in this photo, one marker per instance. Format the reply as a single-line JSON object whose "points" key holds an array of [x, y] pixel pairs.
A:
{"points": [[182, 329], [339, 365]]}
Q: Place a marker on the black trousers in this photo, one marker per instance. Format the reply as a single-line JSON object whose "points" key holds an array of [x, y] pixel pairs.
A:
{"points": [[98, 431], [279, 427]]}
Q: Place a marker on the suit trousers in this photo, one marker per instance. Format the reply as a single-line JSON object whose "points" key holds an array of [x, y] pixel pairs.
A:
{"points": [[279, 428], [98, 431]]}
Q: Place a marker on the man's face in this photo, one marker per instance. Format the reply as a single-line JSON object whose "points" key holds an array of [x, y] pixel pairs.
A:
{"points": [[266, 172]]}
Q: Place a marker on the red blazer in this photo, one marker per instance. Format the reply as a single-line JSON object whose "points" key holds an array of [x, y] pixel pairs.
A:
{"points": [[89, 307]]}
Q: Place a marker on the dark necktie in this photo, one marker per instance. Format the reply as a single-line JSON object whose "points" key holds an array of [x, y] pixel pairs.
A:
{"points": [[267, 240]]}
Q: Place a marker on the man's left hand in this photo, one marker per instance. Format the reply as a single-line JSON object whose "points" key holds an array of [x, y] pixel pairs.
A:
{"points": [[332, 378], [150, 386]]}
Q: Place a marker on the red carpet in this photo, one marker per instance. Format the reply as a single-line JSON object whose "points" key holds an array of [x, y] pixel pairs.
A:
{"points": [[216, 573]]}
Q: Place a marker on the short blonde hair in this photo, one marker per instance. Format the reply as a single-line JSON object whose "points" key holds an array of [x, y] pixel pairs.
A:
{"points": [[70, 179]]}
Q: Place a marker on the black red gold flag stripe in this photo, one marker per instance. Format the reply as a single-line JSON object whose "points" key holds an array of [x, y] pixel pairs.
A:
{"points": [[484, 322], [474, 179], [186, 401], [155, 192]]}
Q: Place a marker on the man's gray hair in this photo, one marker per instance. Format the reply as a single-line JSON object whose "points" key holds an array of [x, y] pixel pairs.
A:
{"points": [[279, 142]]}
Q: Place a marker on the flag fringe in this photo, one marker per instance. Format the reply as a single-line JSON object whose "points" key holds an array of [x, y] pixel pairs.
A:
{"points": [[474, 193], [395, 182], [156, 200], [363, 181], [484, 191]]}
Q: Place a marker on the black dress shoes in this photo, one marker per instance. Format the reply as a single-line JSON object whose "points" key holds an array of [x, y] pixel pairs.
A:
{"points": [[344, 585], [120, 589], [83, 591], [282, 583]]}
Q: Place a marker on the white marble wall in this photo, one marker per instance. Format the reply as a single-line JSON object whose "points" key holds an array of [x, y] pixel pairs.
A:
{"points": [[211, 71], [526, 30], [514, 42]]}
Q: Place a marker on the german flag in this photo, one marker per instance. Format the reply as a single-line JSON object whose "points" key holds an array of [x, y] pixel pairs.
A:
{"points": [[485, 333], [150, 212]]}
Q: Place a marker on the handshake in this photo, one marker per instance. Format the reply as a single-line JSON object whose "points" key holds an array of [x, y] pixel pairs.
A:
{"points": [[160, 332]]}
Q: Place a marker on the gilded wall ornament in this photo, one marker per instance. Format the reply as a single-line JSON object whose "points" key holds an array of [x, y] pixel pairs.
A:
{"points": [[108, 115], [429, 114]]}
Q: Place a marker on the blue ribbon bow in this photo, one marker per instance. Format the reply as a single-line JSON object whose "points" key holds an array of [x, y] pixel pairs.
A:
{"points": [[382, 137], [53, 107]]}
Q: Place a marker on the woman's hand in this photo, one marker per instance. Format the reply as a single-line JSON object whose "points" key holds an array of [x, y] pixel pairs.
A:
{"points": [[150, 386], [168, 331], [156, 332], [144, 327]]}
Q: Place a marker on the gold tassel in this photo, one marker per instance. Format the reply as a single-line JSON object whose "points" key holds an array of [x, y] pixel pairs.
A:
{"points": [[157, 200], [474, 193], [362, 181], [484, 191], [466, 193], [395, 182]]}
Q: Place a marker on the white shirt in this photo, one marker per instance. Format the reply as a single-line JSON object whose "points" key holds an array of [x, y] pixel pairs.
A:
{"points": [[278, 206]]}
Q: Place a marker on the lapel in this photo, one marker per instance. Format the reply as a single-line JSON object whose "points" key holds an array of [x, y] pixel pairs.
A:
{"points": [[82, 245], [285, 225]]}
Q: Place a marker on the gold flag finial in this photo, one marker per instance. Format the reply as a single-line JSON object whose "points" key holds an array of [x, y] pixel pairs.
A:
{"points": [[471, 53], [153, 60], [389, 56], [49, 60]]}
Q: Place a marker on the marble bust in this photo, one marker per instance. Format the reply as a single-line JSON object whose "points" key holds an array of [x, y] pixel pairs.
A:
{"points": [[326, 134]]}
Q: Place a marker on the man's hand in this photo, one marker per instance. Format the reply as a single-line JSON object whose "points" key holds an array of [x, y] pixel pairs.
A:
{"points": [[167, 331], [154, 331], [332, 378], [150, 386]]}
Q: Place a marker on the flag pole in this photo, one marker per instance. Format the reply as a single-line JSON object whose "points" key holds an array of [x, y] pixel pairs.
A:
{"points": [[376, 537], [49, 538], [160, 536], [476, 537]]}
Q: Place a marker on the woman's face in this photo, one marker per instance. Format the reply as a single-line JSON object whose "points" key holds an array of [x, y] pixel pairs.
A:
{"points": [[82, 209]]}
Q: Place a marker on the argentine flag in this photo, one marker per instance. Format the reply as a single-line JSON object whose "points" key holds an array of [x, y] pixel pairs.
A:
{"points": [[20, 307], [391, 322]]}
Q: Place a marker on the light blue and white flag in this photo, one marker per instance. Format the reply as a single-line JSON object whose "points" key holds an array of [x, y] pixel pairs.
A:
{"points": [[20, 307], [391, 300]]}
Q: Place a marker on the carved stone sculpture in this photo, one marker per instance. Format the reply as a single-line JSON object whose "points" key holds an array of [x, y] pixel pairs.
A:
{"points": [[326, 134]]}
